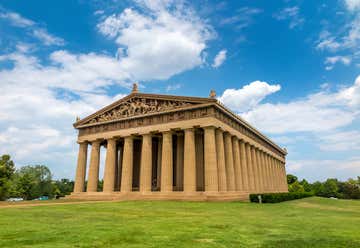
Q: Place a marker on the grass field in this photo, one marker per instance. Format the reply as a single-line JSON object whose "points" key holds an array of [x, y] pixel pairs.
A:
{"points": [[311, 222]]}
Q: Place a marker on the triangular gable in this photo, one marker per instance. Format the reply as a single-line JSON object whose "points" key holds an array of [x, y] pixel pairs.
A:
{"points": [[137, 104]]}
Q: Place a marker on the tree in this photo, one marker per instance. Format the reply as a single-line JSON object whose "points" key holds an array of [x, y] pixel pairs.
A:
{"points": [[63, 187], [296, 187], [34, 181], [306, 185], [291, 179], [7, 169], [330, 188]]}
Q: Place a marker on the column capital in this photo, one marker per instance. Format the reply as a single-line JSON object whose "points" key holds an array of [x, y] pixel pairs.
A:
{"points": [[209, 127], [82, 142], [188, 129]]}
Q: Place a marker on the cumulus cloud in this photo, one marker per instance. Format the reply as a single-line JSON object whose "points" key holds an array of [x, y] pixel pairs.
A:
{"points": [[249, 96], [45, 94], [162, 40], [319, 112], [219, 59]]}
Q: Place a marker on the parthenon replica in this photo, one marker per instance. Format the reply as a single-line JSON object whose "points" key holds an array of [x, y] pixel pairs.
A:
{"points": [[163, 147]]}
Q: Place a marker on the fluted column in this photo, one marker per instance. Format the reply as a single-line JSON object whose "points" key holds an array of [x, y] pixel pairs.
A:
{"points": [[210, 160], [283, 176], [110, 163], [250, 168], [266, 172], [93, 176], [244, 168], [229, 161], [220, 152], [271, 177], [146, 163], [179, 161], [189, 161], [237, 166], [255, 168], [81, 168], [167, 163], [127, 165], [260, 169], [276, 186]]}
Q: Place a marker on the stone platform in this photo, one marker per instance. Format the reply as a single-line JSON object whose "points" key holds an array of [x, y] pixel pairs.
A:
{"points": [[175, 196]]}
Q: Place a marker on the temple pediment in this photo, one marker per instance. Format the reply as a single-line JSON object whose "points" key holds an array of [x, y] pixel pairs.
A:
{"points": [[139, 104]]}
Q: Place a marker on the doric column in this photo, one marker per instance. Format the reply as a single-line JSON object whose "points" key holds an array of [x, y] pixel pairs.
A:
{"points": [[244, 169], [285, 177], [210, 160], [266, 175], [237, 166], [250, 167], [179, 161], [229, 161], [260, 172], [255, 168], [110, 163], [270, 169], [158, 164], [146, 163], [189, 161], [220, 152], [81, 168], [127, 165], [276, 186], [93, 177], [167, 163]]}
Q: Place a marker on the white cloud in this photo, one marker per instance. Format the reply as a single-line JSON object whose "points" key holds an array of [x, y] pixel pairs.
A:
{"points": [[219, 58], [248, 96], [313, 170], [16, 20], [291, 14], [327, 42], [351, 94], [352, 4], [172, 87], [319, 112], [242, 19], [331, 61], [36, 31], [162, 40], [340, 141], [47, 38], [41, 102]]}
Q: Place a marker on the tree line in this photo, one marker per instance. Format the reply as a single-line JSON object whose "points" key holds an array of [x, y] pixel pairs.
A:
{"points": [[332, 187], [30, 182], [33, 181]]}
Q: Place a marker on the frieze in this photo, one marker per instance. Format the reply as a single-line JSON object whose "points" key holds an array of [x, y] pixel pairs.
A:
{"points": [[148, 120]]}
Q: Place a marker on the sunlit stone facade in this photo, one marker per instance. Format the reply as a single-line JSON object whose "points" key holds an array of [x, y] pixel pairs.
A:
{"points": [[174, 147]]}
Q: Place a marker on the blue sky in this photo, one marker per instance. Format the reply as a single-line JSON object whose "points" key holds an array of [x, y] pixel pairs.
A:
{"points": [[290, 68]]}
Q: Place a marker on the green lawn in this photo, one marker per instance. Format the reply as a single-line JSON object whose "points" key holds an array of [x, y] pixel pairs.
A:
{"points": [[311, 222]]}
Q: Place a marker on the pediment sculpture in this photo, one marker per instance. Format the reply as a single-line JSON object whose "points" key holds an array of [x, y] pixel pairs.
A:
{"points": [[138, 106]]}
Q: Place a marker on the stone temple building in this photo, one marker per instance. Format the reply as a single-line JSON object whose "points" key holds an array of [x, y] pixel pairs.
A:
{"points": [[175, 148]]}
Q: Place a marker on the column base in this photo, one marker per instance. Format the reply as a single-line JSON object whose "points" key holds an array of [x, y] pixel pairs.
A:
{"points": [[172, 196]]}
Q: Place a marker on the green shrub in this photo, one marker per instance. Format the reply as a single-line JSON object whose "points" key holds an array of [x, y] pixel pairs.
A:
{"points": [[279, 197]]}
